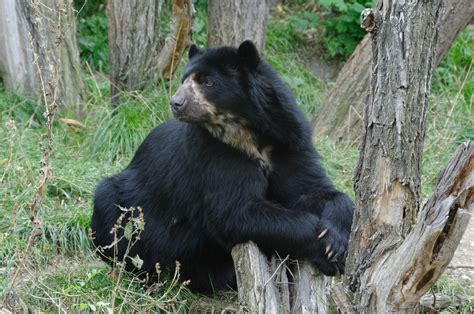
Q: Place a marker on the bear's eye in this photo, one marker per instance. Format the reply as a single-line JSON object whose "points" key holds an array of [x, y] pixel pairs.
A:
{"points": [[207, 81]]}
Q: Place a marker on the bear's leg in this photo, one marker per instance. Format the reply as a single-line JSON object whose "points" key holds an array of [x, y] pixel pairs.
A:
{"points": [[207, 279], [104, 217]]}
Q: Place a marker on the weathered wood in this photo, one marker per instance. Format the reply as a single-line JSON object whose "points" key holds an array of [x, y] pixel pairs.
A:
{"points": [[233, 21], [401, 276], [134, 44], [429, 247], [310, 291], [387, 178], [267, 288], [340, 115], [396, 253], [257, 293], [427, 250], [177, 39], [390, 155], [20, 31]]}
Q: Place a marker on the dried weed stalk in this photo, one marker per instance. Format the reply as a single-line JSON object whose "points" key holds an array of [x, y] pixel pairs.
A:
{"points": [[46, 58]]}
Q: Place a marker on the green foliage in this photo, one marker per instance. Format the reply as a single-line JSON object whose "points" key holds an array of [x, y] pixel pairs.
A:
{"points": [[92, 33], [200, 23], [339, 21], [451, 108], [342, 27], [20, 109]]}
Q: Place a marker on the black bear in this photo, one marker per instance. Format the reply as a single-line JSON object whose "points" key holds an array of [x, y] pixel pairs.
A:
{"points": [[236, 164]]}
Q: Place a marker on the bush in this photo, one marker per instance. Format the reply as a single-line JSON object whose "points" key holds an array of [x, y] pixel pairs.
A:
{"points": [[339, 21]]}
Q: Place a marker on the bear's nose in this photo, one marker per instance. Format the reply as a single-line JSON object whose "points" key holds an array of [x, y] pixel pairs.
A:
{"points": [[177, 101]]}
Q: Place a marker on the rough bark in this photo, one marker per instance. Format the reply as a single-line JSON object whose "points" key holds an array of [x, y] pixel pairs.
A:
{"points": [[396, 253], [31, 23], [233, 21], [134, 44], [16, 59], [278, 286], [178, 38], [340, 115]]}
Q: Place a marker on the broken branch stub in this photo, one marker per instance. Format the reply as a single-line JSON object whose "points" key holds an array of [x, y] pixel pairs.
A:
{"points": [[177, 39], [257, 293], [430, 246], [279, 286]]}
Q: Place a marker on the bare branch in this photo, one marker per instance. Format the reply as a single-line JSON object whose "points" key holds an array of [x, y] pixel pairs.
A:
{"points": [[49, 75], [429, 247], [177, 39]]}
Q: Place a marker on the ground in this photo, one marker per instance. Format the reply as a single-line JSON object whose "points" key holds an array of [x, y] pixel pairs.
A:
{"points": [[462, 264]]}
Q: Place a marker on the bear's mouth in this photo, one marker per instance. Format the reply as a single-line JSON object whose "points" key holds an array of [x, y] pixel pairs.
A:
{"points": [[190, 111]]}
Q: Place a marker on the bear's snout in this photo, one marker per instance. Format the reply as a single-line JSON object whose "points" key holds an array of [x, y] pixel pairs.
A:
{"points": [[177, 101]]}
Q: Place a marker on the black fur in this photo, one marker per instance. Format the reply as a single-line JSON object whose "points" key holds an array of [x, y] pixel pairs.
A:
{"points": [[201, 196]]}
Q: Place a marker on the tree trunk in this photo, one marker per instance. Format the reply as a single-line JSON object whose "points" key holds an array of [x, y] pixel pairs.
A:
{"points": [[396, 253], [24, 24], [134, 44], [233, 21], [16, 59], [340, 115], [137, 56]]}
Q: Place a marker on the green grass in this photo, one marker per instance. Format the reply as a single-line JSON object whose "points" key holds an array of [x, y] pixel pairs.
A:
{"points": [[63, 271], [451, 109]]}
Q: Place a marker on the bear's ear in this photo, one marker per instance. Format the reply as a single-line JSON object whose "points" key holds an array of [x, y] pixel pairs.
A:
{"points": [[248, 54], [194, 51]]}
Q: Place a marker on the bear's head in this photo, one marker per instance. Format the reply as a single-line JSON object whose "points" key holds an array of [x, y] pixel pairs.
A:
{"points": [[215, 85], [237, 96]]}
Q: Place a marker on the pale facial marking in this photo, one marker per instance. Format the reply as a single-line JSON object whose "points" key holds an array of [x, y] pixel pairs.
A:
{"points": [[198, 95], [229, 128]]}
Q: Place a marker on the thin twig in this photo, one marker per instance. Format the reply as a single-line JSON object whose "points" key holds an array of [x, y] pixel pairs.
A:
{"points": [[276, 270]]}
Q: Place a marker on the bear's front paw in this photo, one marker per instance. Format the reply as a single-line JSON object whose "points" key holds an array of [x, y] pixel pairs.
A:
{"points": [[333, 248]]}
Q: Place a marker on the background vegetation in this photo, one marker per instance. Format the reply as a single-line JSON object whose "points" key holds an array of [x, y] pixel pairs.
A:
{"points": [[64, 272]]}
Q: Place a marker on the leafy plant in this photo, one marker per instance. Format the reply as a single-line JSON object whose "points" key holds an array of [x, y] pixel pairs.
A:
{"points": [[342, 27], [92, 28], [200, 23], [339, 21]]}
